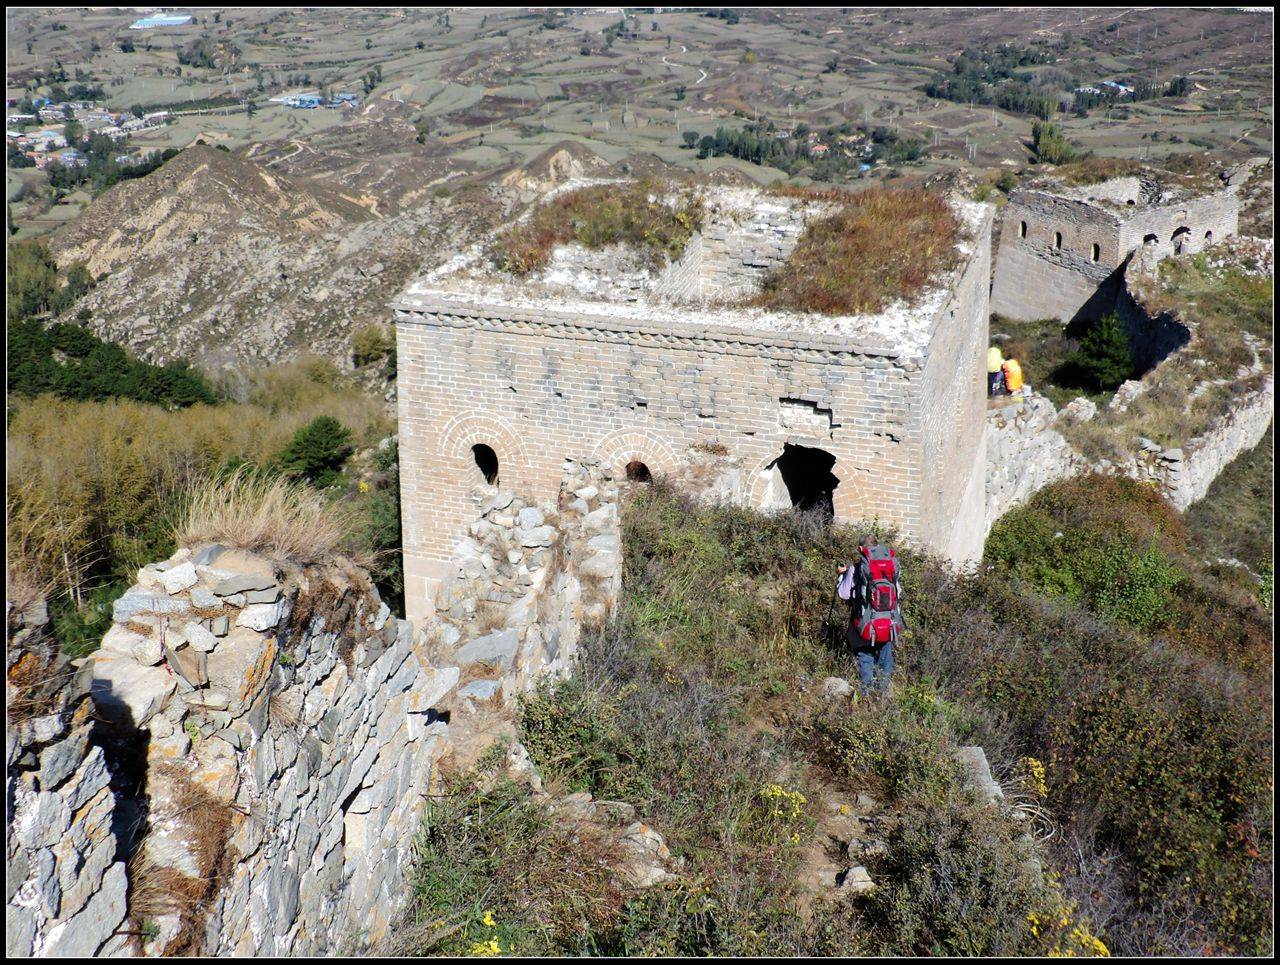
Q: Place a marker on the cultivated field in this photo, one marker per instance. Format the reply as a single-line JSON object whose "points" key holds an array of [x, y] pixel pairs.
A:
{"points": [[473, 91]]}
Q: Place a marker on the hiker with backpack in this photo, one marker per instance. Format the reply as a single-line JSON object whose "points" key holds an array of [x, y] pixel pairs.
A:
{"points": [[874, 592]]}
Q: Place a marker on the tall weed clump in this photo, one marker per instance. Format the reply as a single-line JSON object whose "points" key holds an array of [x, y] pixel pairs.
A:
{"points": [[266, 514], [94, 486], [636, 214], [881, 246]]}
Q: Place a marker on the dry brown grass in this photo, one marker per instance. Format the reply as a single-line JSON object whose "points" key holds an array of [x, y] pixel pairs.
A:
{"points": [[33, 687], [22, 588], [283, 713], [881, 246], [1094, 170], [285, 521], [1198, 175], [598, 216], [489, 616], [158, 890], [205, 823]]}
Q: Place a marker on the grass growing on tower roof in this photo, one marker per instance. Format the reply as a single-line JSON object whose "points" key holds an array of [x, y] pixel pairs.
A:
{"points": [[636, 213], [882, 245]]}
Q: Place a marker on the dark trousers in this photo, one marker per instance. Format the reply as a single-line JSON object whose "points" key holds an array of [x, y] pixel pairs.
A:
{"points": [[875, 666], [995, 383]]}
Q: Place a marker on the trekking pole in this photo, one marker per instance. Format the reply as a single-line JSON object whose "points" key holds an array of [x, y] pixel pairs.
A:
{"points": [[826, 627]]}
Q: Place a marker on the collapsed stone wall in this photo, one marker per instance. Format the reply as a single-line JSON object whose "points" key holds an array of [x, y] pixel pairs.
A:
{"points": [[623, 274], [65, 878], [1025, 453], [269, 735], [739, 255], [1185, 474], [741, 241], [527, 580], [1152, 338], [241, 767], [290, 734]]}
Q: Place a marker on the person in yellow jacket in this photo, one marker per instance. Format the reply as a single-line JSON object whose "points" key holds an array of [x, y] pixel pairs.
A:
{"points": [[1012, 376], [995, 370]]}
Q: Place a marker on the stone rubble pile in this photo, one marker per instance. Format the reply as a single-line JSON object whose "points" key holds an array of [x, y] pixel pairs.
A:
{"points": [[527, 580], [65, 883]]}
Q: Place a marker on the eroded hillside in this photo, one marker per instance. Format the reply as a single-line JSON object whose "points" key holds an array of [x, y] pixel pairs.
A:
{"points": [[223, 260]]}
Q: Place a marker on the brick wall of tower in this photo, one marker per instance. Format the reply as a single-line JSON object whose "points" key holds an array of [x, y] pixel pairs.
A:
{"points": [[953, 405], [538, 391], [535, 386]]}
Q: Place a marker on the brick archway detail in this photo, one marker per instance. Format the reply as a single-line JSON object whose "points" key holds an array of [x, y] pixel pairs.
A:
{"points": [[624, 445], [464, 431]]}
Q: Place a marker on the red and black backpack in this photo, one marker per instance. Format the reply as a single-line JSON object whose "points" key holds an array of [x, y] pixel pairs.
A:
{"points": [[877, 622]]}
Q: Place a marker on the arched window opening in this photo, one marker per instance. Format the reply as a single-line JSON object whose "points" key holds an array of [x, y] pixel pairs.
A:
{"points": [[1131, 202], [1179, 240], [1022, 229], [1057, 239], [1208, 238], [807, 475], [638, 472], [1150, 240], [487, 462], [1097, 251]]}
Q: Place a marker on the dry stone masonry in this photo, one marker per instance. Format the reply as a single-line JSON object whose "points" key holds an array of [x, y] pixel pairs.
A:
{"points": [[527, 580], [1184, 474], [65, 880], [241, 767], [290, 735], [499, 382], [1028, 450], [1025, 453]]}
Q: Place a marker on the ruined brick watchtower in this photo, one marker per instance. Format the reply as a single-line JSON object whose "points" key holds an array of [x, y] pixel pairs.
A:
{"points": [[1063, 247], [645, 369]]}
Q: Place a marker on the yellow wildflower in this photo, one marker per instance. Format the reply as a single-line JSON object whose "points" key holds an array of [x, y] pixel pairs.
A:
{"points": [[485, 948]]}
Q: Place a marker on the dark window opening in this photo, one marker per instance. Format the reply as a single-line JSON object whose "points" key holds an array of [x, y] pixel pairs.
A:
{"points": [[806, 473], [1097, 252], [1022, 230], [1150, 240], [1179, 239], [1208, 237], [1131, 202], [486, 462], [638, 472], [1057, 239]]}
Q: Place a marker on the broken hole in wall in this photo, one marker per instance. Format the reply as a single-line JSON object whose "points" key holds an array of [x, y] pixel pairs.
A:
{"points": [[802, 479], [804, 415], [487, 462]]}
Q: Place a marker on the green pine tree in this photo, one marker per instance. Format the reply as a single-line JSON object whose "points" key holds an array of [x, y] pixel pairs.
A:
{"points": [[1104, 359], [317, 451]]}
